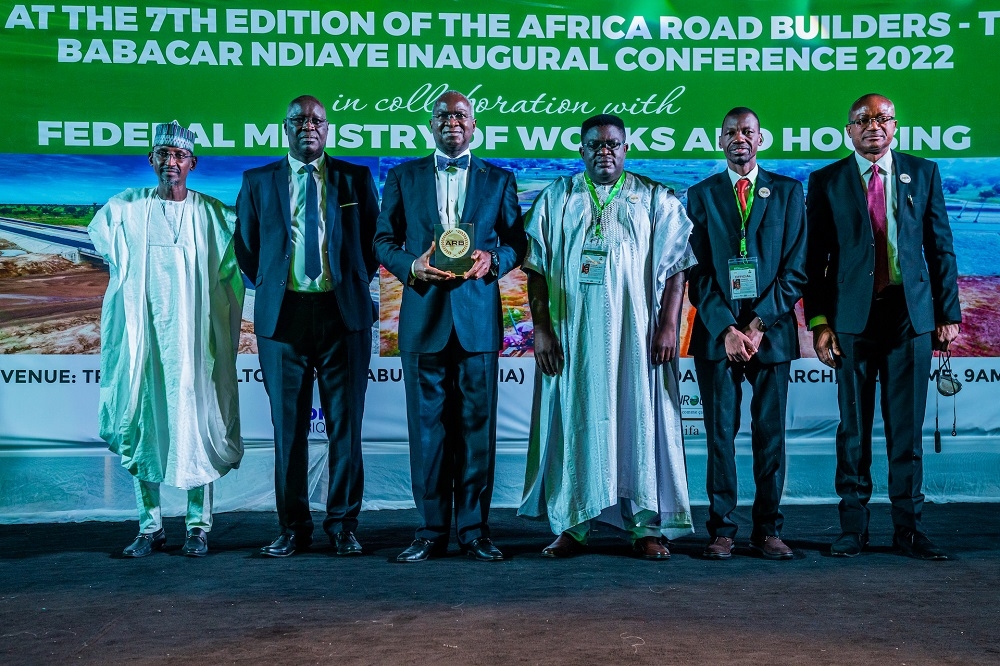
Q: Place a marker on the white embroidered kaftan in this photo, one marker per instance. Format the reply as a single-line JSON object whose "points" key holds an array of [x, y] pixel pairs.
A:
{"points": [[169, 336], [607, 428]]}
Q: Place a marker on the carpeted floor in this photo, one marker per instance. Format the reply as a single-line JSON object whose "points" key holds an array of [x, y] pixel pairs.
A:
{"points": [[66, 597]]}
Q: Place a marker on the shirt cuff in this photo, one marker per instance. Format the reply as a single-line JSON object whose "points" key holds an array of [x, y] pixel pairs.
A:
{"points": [[819, 320]]}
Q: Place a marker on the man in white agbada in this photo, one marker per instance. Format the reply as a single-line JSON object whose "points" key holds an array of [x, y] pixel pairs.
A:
{"points": [[169, 334], [605, 266]]}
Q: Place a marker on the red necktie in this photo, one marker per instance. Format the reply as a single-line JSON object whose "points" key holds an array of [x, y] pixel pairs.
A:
{"points": [[742, 185], [876, 211]]}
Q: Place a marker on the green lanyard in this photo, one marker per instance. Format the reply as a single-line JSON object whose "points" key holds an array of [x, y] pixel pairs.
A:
{"points": [[601, 205]]}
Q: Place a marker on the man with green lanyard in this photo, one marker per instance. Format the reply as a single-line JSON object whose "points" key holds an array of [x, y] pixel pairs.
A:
{"points": [[749, 238], [605, 265]]}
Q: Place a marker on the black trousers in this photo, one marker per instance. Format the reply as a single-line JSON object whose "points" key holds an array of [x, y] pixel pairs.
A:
{"points": [[891, 352], [451, 407], [309, 341], [721, 386]]}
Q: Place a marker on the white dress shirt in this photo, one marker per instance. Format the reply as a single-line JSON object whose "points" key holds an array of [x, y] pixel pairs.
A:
{"points": [[451, 189]]}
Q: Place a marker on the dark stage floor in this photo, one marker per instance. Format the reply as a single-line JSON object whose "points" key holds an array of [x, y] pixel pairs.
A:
{"points": [[64, 597]]}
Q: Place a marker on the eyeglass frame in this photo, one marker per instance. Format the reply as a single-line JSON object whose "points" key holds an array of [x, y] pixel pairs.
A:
{"points": [[863, 123], [445, 117], [166, 155], [596, 146], [301, 121]]}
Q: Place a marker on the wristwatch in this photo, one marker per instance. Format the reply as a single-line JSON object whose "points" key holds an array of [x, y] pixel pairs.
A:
{"points": [[761, 325], [494, 263]]}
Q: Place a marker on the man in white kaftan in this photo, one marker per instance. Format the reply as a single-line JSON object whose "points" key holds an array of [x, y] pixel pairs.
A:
{"points": [[169, 336], [606, 262]]}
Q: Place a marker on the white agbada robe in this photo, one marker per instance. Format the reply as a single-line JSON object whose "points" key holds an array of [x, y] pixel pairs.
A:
{"points": [[608, 428], [170, 330]]}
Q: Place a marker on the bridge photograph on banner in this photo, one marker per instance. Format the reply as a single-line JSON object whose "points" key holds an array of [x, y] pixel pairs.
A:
{"points": [[84, 87]]}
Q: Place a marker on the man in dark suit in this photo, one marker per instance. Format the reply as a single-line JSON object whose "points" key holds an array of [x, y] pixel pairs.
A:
{"points": [[750, 240], [304, 234], [882, 282], [450, 326]]}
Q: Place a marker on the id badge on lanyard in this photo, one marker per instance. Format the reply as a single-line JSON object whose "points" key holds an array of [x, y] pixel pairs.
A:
{"points": [[743, 278], [593, 265]]}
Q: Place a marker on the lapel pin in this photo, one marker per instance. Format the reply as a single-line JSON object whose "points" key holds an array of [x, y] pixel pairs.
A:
{"points": [[904, 177], [763, 193], [633, 198], [909, 200]]}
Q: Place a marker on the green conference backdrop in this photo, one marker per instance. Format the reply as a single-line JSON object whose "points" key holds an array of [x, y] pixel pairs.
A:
{"points": [[90, 79], [83, 86]]}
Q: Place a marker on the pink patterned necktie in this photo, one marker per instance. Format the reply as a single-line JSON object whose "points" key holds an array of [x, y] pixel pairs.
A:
{"points": [[876, 211]]}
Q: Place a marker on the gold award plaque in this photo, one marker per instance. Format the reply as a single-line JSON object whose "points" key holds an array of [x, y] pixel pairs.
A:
{"points": [[454, 248], [455, 243]]}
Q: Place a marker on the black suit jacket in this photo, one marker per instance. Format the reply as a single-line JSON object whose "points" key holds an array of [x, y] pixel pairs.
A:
{"points": [[841, 256], [264, 246], [776, 235], [406, 229]]}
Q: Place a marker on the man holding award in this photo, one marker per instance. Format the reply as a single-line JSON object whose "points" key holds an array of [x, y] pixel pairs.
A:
{"points": [[450, 228]]}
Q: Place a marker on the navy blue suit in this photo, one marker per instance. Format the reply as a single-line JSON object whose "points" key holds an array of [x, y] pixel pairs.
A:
{"points": [[776, 236], [449, 338], [887, 335], [301, 335]]}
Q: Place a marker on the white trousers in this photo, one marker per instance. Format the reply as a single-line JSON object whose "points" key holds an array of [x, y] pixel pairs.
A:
{"points": [[147, 498]]}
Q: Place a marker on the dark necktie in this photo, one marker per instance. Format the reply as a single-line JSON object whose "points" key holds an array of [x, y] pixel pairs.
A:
{"points": [[446, 163], [742, 185], [876, 211], [314, 266]]}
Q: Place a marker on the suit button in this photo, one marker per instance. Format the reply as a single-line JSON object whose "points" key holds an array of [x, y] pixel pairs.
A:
{"points": [[871, 272], [282, 283], [286, 256]]}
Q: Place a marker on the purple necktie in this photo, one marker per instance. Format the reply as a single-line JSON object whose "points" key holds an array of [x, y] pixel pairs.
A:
{"points": [[876, 211]]}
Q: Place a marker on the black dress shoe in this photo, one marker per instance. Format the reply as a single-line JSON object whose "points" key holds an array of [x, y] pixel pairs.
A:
{"points": [[145, 544], [285, 545], [422, 549], [483, 550], [346, 544], [849, 544], [196, 544], [917, 545]]}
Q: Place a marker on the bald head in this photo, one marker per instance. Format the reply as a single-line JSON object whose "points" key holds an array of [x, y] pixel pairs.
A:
{"points": [[870, 100], [302, 99]]}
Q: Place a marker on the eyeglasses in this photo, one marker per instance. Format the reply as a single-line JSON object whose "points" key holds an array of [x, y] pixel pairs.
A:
{"points": [[862, 123], [167, 155], [302, 121], [444, 117], [596, 146]]}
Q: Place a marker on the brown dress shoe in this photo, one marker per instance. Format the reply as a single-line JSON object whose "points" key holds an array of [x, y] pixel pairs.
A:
{"points": [[719, 548], [772, 548], [651, 548], [563, 546]]}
